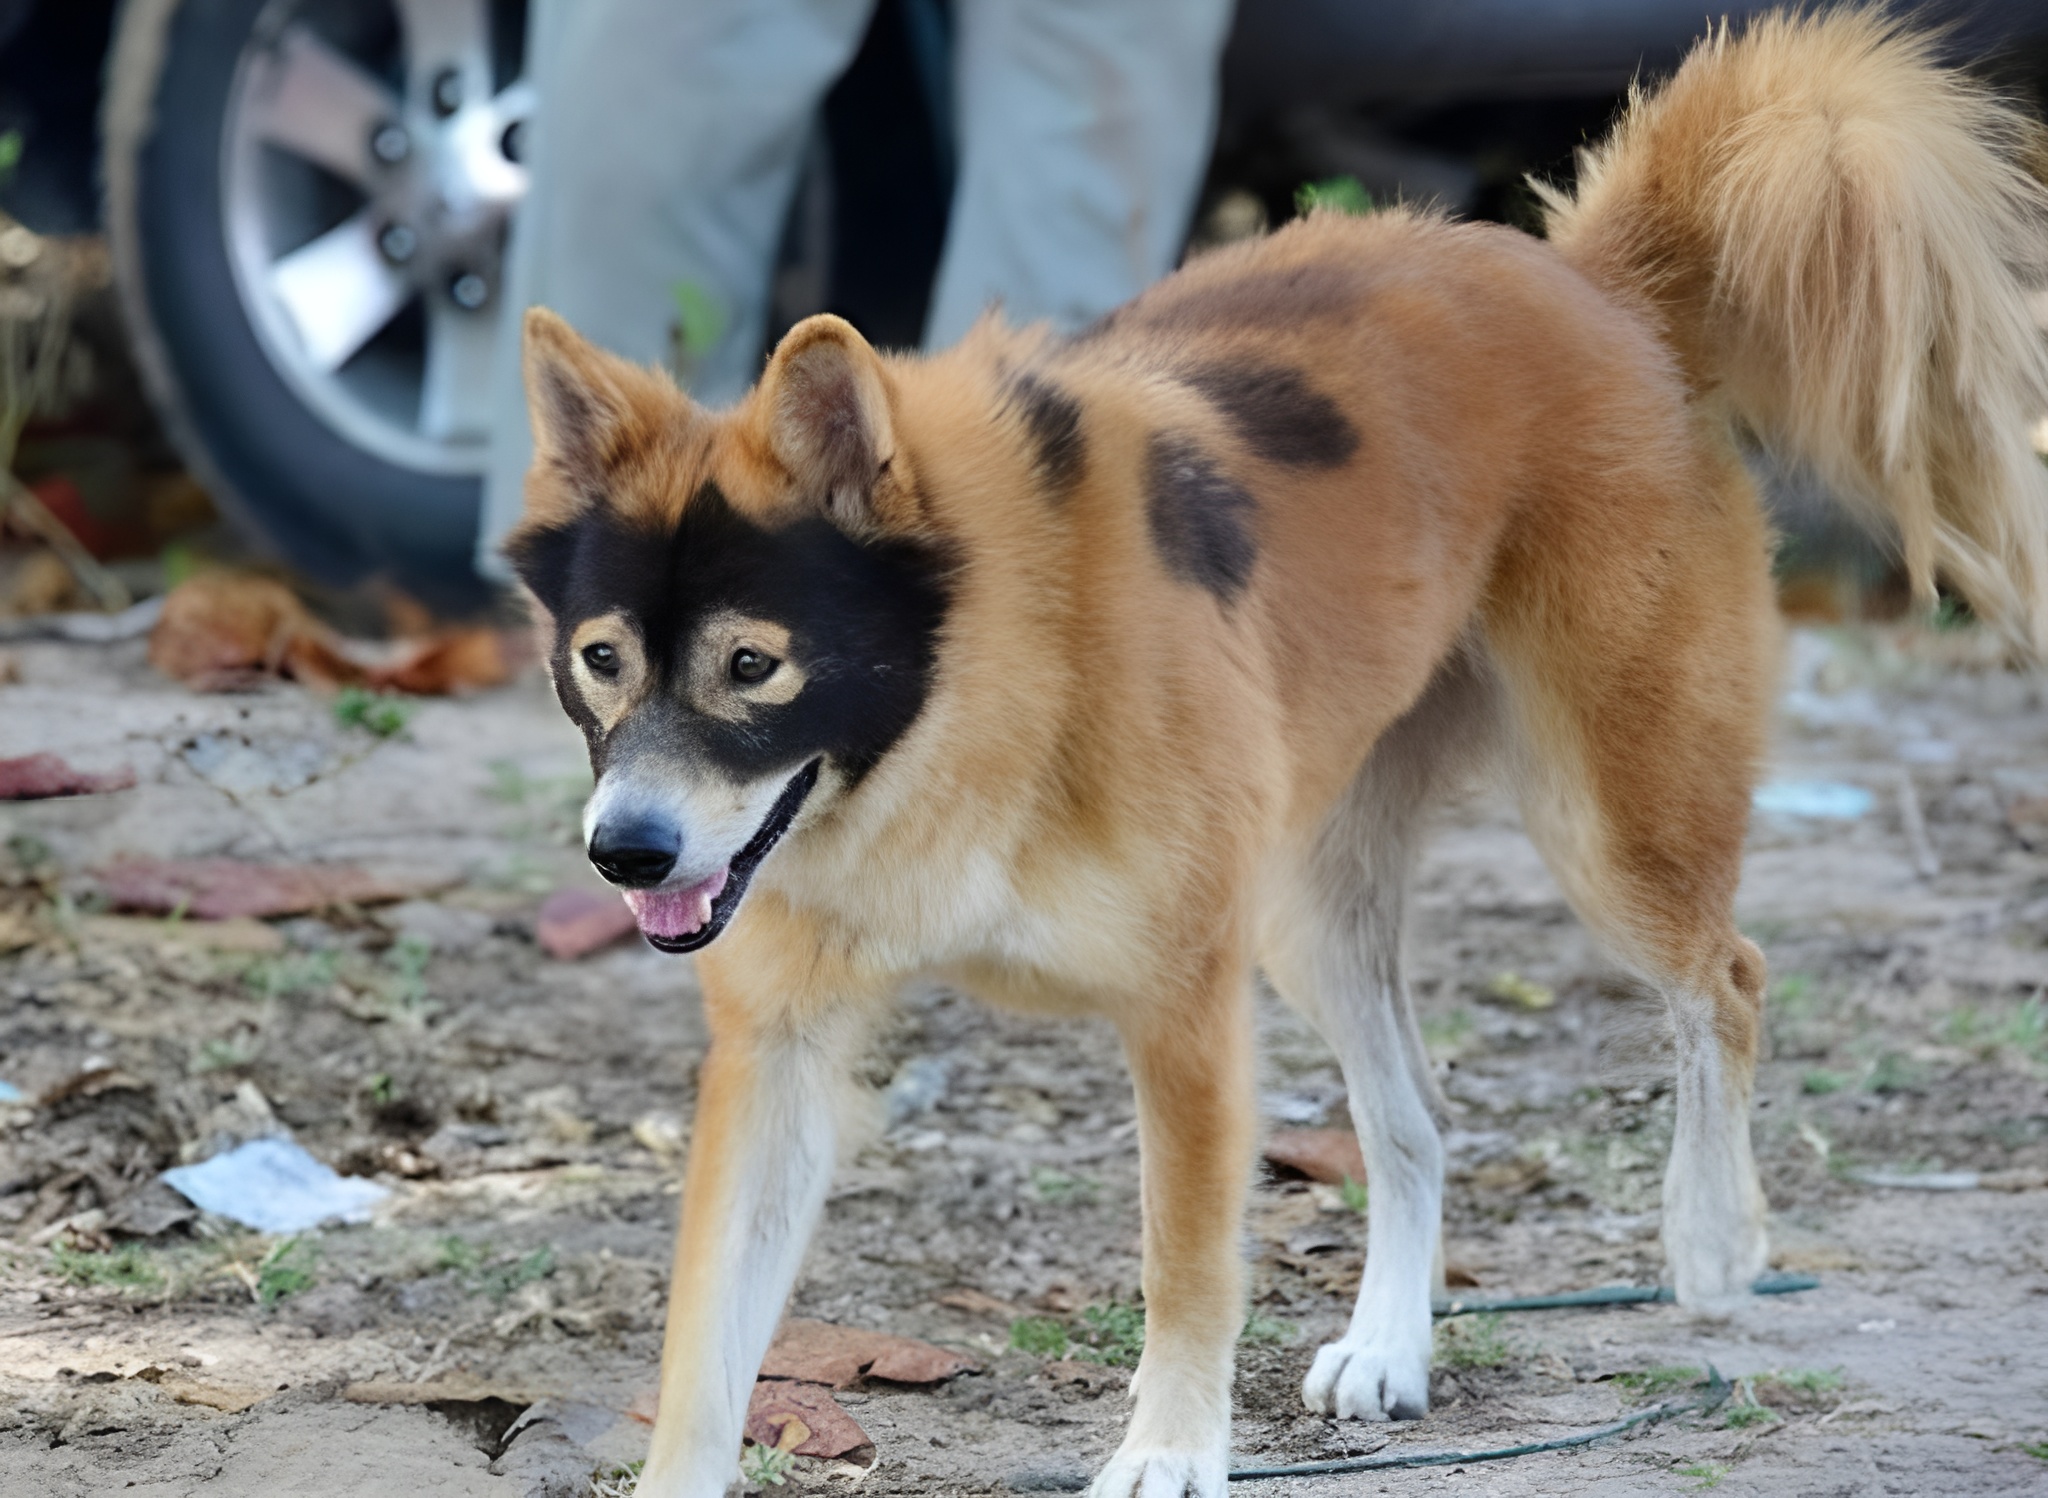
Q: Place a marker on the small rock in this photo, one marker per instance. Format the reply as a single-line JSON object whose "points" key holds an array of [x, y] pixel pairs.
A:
{"points": [[335, 1309], [38, 777], [440, 927], [547, 1462]]}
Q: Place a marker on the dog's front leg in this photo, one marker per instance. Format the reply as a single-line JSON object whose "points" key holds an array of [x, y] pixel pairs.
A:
{"points": [[761, 1158], [1191, 1064]]}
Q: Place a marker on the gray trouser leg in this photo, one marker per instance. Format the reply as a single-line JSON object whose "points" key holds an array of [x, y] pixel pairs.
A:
{"points": [[1085, 127], [665, 148]]}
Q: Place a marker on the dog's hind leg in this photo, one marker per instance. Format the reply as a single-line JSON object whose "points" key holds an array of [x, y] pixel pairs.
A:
{"points": [[1636, 643], [1331, 943]]}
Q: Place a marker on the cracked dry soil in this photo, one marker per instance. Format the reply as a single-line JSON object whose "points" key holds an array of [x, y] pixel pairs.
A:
{"points": [[529, 1116]]}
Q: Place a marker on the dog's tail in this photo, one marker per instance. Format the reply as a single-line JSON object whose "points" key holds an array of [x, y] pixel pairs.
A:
{"points": [[1837, 236]]}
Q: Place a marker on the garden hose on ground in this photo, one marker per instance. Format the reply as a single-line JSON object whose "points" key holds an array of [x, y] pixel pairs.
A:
{"points": [[1713, 1393]]}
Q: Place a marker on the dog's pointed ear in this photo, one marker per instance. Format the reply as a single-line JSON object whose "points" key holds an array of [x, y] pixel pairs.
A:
{"points": [[575, 401], [824, 403]]}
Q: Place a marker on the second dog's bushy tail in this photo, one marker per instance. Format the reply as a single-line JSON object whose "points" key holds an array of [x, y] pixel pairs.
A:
{"points": [[1838, 235]]}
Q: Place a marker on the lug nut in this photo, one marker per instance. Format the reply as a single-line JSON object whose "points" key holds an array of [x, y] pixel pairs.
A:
{"points": [[447, 91], [398, 242], [390, 144], [469, 291]]}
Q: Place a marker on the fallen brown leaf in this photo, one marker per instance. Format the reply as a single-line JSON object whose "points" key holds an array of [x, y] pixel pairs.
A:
{"points": [[226, 630], [818, 1352], [218, 889], [829, 1431], [455, 660], [976, 1303], [1326, 1155], [181, 1386], [576, 922], [38, 777]]}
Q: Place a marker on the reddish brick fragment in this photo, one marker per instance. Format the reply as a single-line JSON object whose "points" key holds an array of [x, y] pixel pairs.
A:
{"points": [[576, 922]]}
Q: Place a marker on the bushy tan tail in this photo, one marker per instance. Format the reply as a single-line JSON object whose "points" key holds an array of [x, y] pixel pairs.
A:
{"points": [[1838, 235]]}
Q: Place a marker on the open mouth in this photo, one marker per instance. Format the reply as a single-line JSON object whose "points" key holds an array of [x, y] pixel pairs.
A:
{"points": [[682, 920]]}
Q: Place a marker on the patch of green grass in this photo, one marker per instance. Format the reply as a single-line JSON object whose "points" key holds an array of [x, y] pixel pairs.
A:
{"points": [[1655, 1383], [1041, 1336], [484, 1272], [1809, 1382], [701, 319], [619, 1480], [1894, 1073], [1743, 1415], [1338, 194], [1793, 993], [291, 975], [1113, 1334], [1523, 993], [1708, 1473], [1471, 1342], [765, 1465], [286, 1269], [1355, 1195], [373, 712], [11, 143], [1447, 1033], [229, 1054], [2037, 1450], [380, 1088], [403, 990], [1266, 1331], [1058, 1187], [128, 1268], [29, 851], [1819, 1082]]}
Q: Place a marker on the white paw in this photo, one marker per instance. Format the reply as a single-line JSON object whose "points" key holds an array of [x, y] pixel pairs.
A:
{"points": [[1369, 1378], [1162, 1474], [1713, 1268]]}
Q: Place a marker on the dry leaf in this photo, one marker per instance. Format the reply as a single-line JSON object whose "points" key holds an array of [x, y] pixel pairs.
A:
{"points": [[218, 889], [819, 1353], [1326, 1155], [38, 777], [828, 1431]]}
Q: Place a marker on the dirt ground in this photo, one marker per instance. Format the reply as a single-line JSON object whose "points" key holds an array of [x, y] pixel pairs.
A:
{"points": [[529, 1115]]}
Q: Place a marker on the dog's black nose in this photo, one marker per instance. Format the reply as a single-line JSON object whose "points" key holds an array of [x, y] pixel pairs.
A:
{"points": [[636, 854]]}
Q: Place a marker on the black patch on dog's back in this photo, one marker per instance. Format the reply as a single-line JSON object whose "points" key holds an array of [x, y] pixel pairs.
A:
{"points": [[1054, 420], [1200, 518], [1277, 414], [1319, 291]]}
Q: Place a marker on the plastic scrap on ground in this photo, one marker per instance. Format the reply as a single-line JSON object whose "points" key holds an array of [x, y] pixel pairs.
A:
{"points": [[1827, 800], [275, 1186]]}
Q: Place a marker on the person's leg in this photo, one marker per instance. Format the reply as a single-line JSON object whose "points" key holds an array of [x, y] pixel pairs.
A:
{"points": [[1085, 128], [664, 150]]}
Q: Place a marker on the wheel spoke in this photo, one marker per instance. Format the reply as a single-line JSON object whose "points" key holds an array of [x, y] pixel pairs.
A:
{"points": [[441, 34], [339, 291], [318, 104], [455, 398]]}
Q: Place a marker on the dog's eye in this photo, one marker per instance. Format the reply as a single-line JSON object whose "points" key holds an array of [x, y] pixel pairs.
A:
{"points": [[602, 659], [750, 666]]}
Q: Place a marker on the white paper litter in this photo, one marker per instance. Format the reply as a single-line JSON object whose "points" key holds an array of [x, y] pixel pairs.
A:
{"points": [[274, 1186], [1829, 799]]}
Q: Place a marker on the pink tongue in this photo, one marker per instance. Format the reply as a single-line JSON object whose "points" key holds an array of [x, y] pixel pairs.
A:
{"points": [[675, 912]]}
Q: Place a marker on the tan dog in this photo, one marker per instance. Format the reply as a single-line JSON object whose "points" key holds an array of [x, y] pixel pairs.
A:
{"points": [[1087, 673]]}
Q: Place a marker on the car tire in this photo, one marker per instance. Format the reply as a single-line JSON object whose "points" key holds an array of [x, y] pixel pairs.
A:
{"points": [[298, 488]]}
